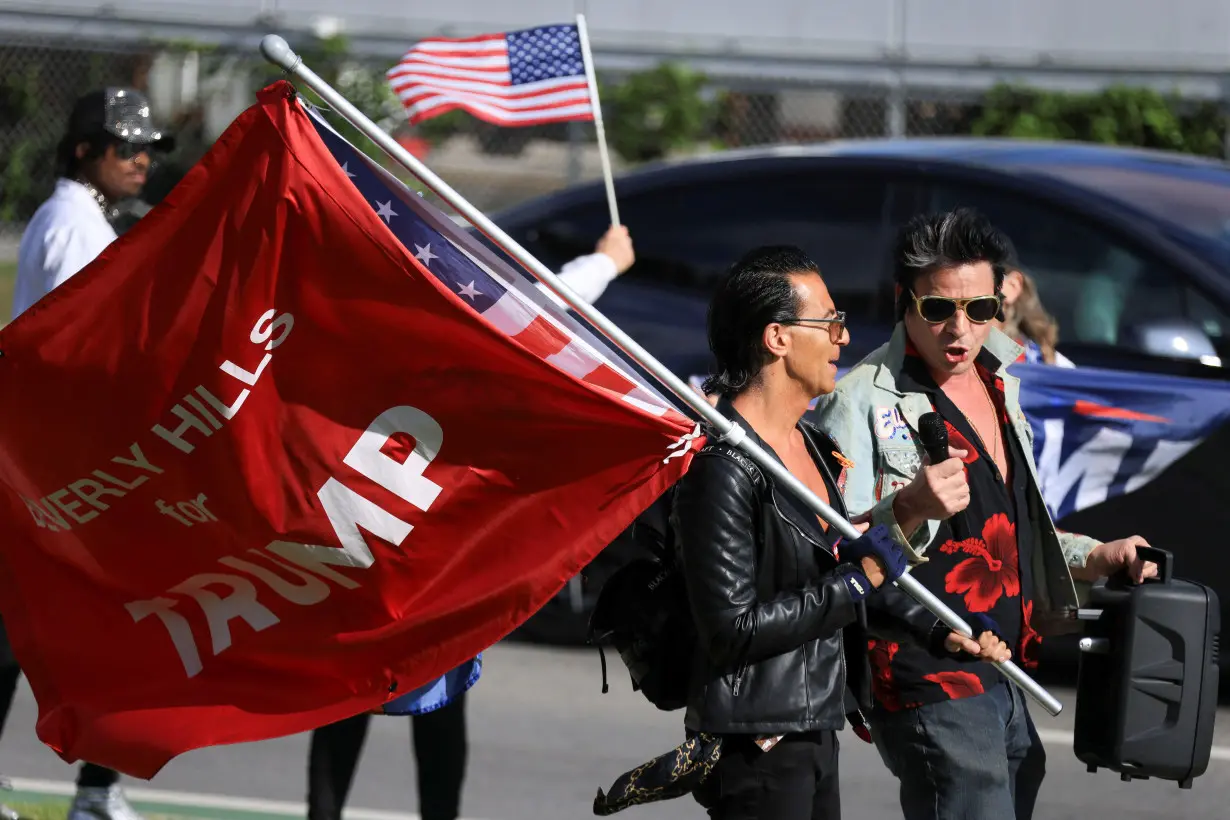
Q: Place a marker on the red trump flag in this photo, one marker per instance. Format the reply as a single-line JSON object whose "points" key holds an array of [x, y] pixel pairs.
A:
{"points": [[264, 466]]}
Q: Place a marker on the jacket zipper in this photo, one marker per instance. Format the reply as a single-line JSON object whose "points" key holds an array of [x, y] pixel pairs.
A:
{"points": [[840, 510], [738, 681], [841, 643], [841, 639], [797, 529], [841, 648]]}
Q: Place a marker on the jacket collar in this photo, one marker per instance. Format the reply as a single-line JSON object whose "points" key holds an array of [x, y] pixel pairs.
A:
{"points": [[825, 446], [913, 405], [822, 441]]}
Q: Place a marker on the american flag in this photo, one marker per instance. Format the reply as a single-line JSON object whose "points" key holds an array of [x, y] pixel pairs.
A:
{"points": [[488, 285], [518, 78]]}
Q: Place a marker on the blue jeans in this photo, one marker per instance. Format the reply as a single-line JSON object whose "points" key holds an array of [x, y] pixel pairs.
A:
{"points": [[977, 758]]}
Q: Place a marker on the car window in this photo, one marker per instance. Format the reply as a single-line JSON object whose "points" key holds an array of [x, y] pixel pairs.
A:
{"points": [[1097, 285], [1214, 321], [687, 235], [1198, 200]]}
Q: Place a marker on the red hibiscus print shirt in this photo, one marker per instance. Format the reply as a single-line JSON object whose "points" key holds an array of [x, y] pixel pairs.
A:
{"points": [[991, 571], [979, 560]]}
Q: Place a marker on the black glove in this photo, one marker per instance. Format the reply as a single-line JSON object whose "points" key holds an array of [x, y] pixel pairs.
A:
{"points": [[876, 543]]}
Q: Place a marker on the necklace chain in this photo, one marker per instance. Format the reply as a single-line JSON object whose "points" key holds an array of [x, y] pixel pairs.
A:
{"points": [[108, 211], [995, 439]]}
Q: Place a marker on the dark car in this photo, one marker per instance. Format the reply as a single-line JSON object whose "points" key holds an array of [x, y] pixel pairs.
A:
{"points": [[1130, 250]]}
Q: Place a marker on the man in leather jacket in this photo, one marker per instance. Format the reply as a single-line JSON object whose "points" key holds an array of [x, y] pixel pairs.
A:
{"points": [[770, 596]]}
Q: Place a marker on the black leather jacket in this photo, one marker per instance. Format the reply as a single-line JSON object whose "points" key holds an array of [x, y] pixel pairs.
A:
{"points": [[780, 639]]}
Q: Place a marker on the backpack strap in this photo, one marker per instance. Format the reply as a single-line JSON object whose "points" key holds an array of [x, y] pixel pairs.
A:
{"points": [[764, 578], [738, 457]]}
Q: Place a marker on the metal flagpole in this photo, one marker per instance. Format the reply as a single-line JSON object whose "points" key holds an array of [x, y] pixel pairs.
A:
{"points": [[277, 51]]}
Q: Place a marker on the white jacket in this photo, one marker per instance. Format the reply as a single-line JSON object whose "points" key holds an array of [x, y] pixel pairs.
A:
{"points": [[67, 232]]}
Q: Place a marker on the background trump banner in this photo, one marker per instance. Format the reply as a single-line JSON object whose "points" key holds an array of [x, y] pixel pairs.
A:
{"points": [[291, 448], [1104, 433]]}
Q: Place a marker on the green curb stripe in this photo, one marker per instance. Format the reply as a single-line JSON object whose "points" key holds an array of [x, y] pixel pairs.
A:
{"points": [[149, 808], [179, 810]]}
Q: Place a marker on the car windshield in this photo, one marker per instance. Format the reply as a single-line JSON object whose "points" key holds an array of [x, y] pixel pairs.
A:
{"points": [[1195, 199]]}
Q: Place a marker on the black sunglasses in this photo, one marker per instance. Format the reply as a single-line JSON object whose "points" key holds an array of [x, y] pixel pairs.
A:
{"points": [[128, 151], [938, 309], [837, 325]]}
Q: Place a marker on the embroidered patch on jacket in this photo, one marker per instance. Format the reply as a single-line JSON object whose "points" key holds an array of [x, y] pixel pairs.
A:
{"points": [[889, 424]]}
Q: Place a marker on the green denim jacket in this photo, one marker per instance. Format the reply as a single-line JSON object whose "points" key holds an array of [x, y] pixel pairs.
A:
{"points": [[864, 414]]}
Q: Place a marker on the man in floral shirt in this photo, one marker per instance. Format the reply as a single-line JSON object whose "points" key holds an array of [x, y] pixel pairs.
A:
{"points": [[978, 563], [958, 738]]}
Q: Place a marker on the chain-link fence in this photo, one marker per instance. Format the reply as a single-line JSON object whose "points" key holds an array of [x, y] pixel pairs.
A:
{"points": [[660, 114], [40, 82], [497, 167]]}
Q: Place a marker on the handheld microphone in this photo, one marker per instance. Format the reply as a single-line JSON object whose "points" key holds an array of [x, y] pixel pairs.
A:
{"points": [[933, 435]]}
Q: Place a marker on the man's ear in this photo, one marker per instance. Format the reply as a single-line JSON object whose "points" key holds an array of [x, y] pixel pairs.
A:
{"points": [[82, 150], [774, 339]]}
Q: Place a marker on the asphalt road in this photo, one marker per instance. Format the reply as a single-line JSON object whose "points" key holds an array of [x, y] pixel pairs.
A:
{"points": [[544, 739]]}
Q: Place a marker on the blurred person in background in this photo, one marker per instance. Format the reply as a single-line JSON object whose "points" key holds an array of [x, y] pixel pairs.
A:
{"points": [[589, 275], [103, 158], [1025, 320], [439, 736]]}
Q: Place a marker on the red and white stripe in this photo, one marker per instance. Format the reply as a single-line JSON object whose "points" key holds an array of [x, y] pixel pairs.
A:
{"points": [[534, 328], [536, 332], [438, 75]]}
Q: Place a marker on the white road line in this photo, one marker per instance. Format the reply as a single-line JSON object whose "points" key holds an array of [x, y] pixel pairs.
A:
{"points": [[1051, 737], [1058, 737], [206, 801]]}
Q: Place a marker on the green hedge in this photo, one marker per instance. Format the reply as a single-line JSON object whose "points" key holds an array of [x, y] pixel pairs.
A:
{"points": [[1115, 116]]}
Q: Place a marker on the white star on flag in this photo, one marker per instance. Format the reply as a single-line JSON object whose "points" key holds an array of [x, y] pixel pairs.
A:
{"points": [[469, 291], [346, 168], [386, 210], [423, 253]]}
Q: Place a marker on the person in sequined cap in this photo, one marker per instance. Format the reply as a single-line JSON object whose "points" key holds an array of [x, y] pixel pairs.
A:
{"points": [[104, 157]]}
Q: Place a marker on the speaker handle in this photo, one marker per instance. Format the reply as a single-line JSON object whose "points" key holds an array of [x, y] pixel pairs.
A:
{"points": [[1163, 558]]}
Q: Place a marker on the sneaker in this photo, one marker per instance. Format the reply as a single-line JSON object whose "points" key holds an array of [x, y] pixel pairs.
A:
{"points": [[102, 804], [7, 812]]}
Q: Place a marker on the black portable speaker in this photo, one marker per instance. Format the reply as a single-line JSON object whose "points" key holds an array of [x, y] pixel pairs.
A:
{"points": [[1146, 693]]}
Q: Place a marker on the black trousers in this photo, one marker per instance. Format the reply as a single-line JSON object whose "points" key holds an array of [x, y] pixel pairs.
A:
{"points": [[440, 752], [89, 776], [794, 780]]}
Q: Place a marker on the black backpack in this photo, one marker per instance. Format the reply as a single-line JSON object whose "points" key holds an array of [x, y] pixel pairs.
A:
{"points": [[643, 608]]}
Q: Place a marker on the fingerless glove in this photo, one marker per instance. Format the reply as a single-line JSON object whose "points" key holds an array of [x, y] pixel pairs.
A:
{"points": [[876, 543], [856, 581]]}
